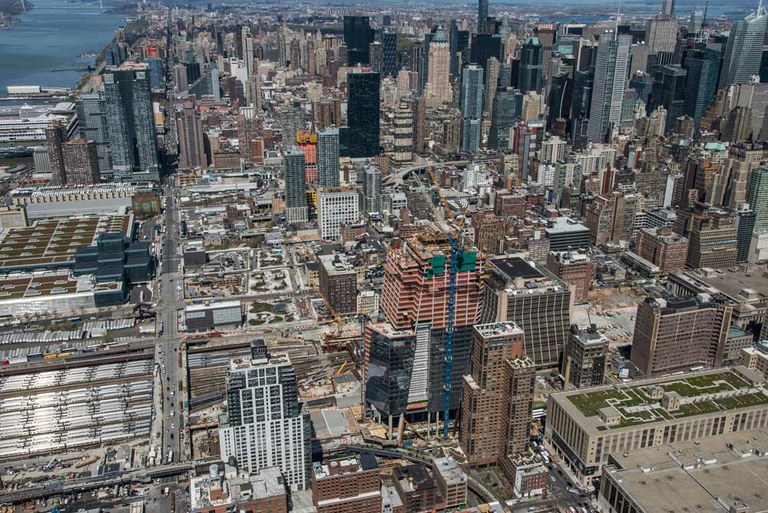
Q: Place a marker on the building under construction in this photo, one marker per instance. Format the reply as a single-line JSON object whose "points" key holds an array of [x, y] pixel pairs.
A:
{"points": [[406, 356]]}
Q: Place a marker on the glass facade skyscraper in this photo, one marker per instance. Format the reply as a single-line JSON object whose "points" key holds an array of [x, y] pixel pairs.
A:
{"points": [[93, 127], [744, 49], [531, 67], [295, 186], [471, 108], [358, 35], [131, 128], [328, 158], [363, 114]]}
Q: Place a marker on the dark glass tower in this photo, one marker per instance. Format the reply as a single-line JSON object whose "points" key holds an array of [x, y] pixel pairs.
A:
{"points": [[531, 66], [358, 35], [389, 44], [482, 16], [128, 110], [703, 65], [363, 114]]}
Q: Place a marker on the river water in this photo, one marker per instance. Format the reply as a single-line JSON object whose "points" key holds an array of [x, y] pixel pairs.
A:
{"points": [[51, 37]]}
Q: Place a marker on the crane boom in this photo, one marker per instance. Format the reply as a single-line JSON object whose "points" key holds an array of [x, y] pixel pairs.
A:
{"points": [[456, 251]]}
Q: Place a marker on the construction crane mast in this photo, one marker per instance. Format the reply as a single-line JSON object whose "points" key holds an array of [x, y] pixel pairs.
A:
{"points": [[454, 236]]}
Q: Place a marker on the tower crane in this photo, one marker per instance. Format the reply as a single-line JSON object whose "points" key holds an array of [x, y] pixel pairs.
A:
{"points": [[454, 236]]}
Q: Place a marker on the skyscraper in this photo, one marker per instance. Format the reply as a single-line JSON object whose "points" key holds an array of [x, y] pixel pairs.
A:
{"points": [[415, 297], [471, 108], [609, 85], [371, 193], [513, 290], [128, 108], [92, 122], [757, 197], [363, 114], [744, 49], [703, 66], [506, 112], [661, 33], [358, 35], [439, 68], [328, 158], [497, 395], [389, 44], [403, 126], [295, 186], [190, 131], [530, 66], [482, 16], [668, 7], [265, 424], [670, 91]]}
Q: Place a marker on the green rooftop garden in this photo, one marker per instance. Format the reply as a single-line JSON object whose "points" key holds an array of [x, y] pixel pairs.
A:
{"points": [[624, 398]]}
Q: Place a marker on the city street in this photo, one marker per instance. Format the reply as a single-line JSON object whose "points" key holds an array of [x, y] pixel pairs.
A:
{"points": [[170, 421]]}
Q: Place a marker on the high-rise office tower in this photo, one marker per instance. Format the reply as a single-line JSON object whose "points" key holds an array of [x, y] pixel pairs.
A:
{"points": [[744, 49], [295, 186], [55, 135], [703, 66], [514, 290], [247, 51], [376, 56], [531, 67], [485, 46], [439, 68], [328, 158], [363, 114], [471, 108], [371, 191], [389, 45], [265, 424], [668, 7], [482, 16], [757, 197], [358, 35], [92, 122], [128, 108], [415, 298], [676, 333], [506, 113], [190, 131], [609, 86], [81, 162], [585, 357], [497, 395], [745, 226], [670, 91], [491, 84], [661, 34]]}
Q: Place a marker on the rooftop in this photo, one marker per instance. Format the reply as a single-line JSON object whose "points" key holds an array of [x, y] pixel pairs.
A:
{"points": [[498, 329], [343, 466], [233, 487], [53, 242], [449, 470], [709, 475], [640, 402], [336, 264], [565, 224]]}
